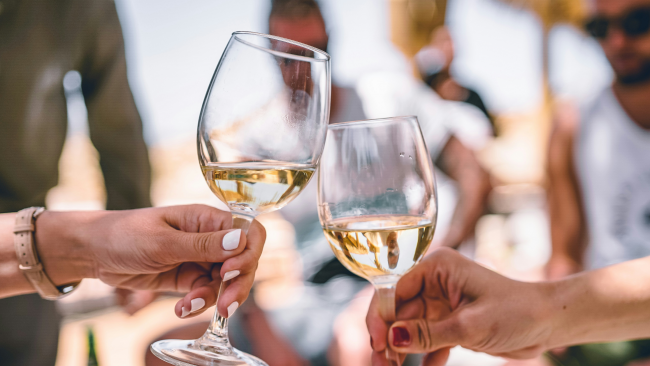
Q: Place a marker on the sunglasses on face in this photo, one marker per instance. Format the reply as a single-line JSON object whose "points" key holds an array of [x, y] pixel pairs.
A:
{"points": [[634, 24]]}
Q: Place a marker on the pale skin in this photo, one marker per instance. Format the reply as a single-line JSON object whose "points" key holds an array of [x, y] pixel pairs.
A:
{"points": [[161, 249], [452, 301]]}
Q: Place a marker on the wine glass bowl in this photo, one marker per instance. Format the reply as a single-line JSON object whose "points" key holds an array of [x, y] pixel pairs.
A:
{"points": [[264, 120], [377, 200], [260, 136]]}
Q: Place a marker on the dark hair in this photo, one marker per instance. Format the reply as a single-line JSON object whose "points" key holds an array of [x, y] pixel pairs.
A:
{"points": [[294, 9]]}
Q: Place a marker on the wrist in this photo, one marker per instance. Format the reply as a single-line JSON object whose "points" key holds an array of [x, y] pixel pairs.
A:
{"points": [[560, 313], [62, 245]]}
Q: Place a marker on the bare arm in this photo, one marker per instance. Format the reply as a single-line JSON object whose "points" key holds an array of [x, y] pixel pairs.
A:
{"points": [[566, 216], [610, 304], [181, 249], [461, 165]]}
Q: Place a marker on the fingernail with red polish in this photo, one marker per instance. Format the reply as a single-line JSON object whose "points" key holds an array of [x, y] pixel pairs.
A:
{"points": [[401, 337]]}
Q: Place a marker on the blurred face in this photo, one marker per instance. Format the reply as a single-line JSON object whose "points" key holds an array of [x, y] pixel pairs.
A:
{"points": [[310, 31], [441, 39], [619, 26]]}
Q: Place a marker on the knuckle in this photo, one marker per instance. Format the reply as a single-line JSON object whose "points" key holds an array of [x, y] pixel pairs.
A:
{"points": [[261, 229], [444, 253], [202, 245], [424, 334]]}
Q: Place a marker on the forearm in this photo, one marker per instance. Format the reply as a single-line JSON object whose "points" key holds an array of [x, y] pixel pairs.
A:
{"points": [[460, 164], [60, 245], [470, 207], [610, 304], [566, 234]]}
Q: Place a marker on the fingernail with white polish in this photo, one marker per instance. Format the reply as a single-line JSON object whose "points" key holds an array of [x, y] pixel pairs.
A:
{"points": [[197, 304], [232, 308], [231, 240], [230, 275], [184, 312]]}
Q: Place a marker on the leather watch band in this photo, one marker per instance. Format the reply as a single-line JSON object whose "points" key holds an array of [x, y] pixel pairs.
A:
{"points": [[28, 260]]}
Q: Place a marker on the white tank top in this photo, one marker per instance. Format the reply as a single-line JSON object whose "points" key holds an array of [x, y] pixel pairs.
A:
{"points": [[612, 157]]}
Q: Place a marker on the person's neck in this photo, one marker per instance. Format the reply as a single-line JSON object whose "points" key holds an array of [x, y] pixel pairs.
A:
{"points": [[635, 100]]}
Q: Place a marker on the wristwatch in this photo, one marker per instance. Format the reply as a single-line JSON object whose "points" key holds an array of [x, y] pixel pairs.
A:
{"points": [[28, 260]]}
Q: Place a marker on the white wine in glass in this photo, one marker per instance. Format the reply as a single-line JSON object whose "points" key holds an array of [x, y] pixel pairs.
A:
{"points": [[261, 133], [377, 201], [382, 245], [257, 187]]}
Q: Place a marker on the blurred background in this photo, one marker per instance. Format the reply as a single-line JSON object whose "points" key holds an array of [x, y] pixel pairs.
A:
{"points": [[523, 57]]}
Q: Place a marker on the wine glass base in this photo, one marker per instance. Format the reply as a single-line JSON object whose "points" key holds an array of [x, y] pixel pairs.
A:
{"points": [[188, 353]]}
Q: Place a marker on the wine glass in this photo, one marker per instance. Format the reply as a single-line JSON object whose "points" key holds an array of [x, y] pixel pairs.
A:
{"points": [[377, 201], [261, 133]]}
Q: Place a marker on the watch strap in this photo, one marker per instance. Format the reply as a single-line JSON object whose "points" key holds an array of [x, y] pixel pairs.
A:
{"points": [[28, 260]]}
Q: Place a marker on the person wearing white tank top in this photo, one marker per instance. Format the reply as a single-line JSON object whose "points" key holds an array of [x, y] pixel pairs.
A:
{"points": [[599, 170], [612, 159]]}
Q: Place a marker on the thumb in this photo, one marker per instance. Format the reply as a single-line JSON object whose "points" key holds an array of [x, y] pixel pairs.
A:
{"points": [[424, 335], [212, 247]]}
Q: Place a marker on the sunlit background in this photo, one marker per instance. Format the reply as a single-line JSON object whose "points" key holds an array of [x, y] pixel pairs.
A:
{"points": [[172, 50]]}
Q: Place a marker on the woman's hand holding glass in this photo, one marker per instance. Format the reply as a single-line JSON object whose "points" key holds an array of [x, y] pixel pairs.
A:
{"points": [[182, 249], [447, 300]]}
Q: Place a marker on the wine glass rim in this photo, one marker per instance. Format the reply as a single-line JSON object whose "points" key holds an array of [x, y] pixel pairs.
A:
{"points": [[280, 53], [397, 119]]}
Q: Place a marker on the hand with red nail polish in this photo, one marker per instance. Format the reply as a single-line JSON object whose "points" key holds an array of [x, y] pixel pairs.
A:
{"points": [[401, 337], [448, 300]]}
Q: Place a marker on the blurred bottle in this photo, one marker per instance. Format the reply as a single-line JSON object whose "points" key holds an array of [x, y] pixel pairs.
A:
{"points": [[92, 353]]}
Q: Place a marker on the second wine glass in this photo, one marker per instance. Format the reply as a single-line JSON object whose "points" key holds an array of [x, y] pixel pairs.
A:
{"points": [[260, 137], [377, 201]]}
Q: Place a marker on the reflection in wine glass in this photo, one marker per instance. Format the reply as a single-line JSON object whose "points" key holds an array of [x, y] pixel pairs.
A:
{"points": [[260, 137], [377, 201]]}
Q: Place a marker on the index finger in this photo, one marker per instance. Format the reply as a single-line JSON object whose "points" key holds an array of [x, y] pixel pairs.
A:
{"points": [[247, 260], [432, 275], [377, 326]]}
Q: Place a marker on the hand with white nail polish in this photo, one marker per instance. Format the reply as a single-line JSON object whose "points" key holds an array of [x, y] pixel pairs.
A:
{"points": [[187, 249], [196, 305], [230, 241]]}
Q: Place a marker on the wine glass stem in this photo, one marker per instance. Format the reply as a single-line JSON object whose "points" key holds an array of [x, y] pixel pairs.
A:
{"points": [[217, 333], [386, 292]]}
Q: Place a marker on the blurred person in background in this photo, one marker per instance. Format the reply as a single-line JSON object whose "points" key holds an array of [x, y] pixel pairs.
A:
{"points": [[315, 328], [599, 170], [434, 63], [40, 41], [454, 132]]}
